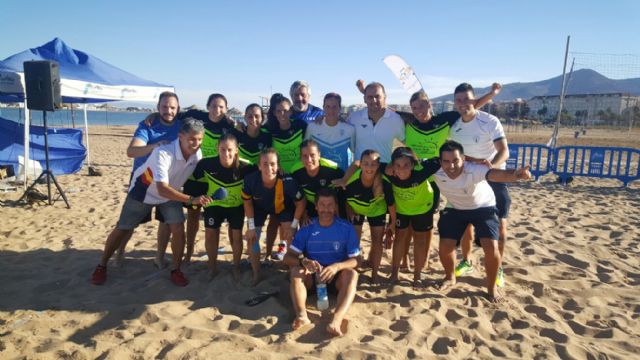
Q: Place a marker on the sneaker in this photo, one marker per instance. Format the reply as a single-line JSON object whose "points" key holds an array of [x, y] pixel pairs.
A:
{"points": [[281, 252], [463, 268], [99, 275], [500, 277], [177, 277]]}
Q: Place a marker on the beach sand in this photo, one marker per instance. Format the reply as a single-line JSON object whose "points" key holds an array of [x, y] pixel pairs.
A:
{"points": [[572, 269]]}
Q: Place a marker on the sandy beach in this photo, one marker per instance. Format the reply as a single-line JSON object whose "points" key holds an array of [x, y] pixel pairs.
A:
{"points": [[572, 269]]}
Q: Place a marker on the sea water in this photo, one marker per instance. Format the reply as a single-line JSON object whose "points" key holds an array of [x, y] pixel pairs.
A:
{"points": [[65, 118]]}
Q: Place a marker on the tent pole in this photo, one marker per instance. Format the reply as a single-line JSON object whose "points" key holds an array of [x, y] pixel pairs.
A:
{"points": [[27, 129], [86, 133]]}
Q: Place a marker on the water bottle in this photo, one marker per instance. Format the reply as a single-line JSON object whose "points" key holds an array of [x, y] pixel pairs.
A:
{"points": [[321, 291]]}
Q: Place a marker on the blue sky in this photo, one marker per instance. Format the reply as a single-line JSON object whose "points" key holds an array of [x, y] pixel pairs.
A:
{"points": [[248, 49]]}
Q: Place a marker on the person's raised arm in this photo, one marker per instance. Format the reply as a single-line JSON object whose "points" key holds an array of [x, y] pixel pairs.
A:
{"points": [[484, 100], [503, 176]]}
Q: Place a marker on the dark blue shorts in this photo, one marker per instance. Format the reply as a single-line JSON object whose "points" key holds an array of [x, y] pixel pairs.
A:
{"points": [[503, 199], [260, 216], [214, 216], [453, 223]]}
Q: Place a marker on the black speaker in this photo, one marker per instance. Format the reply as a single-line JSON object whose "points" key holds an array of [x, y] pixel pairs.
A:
{"points": [[42, 81]]}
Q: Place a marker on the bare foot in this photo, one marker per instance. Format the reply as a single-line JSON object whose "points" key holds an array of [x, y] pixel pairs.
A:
{"points": [[375, 279], [299, 322], [497, 297], [393, 279], [335, 329], [445, 284], [417, 284]]}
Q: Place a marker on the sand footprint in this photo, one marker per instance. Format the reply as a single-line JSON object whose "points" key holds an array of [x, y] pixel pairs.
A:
{"points": [[442, 345], [540, 312]]}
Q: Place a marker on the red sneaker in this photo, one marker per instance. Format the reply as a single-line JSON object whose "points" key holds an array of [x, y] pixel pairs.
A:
{"points": [[99, 275], [177, 277]]}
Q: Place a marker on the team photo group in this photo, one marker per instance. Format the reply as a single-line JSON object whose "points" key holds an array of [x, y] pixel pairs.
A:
{"points": [[296, 185]]}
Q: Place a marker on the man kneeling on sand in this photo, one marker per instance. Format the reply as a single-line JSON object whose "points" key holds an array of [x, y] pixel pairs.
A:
{"points": [[470, 200], [329, 249], [157, 183]]}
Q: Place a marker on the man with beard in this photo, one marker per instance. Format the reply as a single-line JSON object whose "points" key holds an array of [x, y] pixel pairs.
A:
{"points": [[300, 93]]}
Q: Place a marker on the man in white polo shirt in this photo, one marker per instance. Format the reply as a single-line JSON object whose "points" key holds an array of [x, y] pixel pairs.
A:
{"points": [[376, 127], [470, 200], [483, 138], [157, 183]]}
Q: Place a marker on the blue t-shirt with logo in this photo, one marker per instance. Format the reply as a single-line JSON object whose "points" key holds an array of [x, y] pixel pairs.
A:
{"points": [[309, 115], [327, 245], [157, 132]]}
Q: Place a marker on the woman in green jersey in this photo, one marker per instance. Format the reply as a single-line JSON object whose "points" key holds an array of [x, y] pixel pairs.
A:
{"points": [[413, 198], [366, 200], [252, 138], [312, 173], [223, 171], [287, 134]]}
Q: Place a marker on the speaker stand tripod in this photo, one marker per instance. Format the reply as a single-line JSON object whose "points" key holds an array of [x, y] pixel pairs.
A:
{"points": [[46, 172]]}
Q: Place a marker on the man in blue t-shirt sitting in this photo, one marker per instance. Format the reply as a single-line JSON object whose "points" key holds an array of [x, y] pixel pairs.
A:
{"points": [[329, 249]]}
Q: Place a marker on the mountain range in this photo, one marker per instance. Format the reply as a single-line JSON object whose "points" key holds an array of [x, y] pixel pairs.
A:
{"points": [[583, 81]]}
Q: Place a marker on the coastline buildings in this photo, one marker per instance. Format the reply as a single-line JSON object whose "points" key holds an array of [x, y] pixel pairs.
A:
{"points": [[593, 107]]}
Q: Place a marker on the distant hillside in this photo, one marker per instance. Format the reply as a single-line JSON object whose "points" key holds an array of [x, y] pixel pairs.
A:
{"points": [[583, 81]]}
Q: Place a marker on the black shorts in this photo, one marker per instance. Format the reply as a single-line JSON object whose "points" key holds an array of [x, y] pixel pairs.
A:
{"points": [[503, 199], [260, 216], [381, 220], [331, 285], [453, 223], [420, 222], [214, 216]]}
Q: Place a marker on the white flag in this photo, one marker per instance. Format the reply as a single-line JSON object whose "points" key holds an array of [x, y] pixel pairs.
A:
{"points": [[404, 73]]}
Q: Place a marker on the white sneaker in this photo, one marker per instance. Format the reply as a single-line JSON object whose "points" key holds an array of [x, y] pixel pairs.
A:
{"points": [[281, 252]]}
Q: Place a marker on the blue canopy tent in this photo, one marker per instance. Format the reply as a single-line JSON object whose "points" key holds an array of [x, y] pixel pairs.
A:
{"points": [[83, 79]]}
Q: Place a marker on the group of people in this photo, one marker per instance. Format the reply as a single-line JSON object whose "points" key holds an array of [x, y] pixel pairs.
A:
{"points": [[316, 177]]}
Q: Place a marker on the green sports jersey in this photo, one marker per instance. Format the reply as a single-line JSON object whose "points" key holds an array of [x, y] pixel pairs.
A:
{"points": [[209, 175], [425, 139], [362, 200], [249, 148], [328, 171], [414, 195], [287, 143], [213, 131]]}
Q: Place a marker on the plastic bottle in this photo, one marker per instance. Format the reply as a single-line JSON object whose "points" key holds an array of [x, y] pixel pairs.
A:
{"points": [[321, 291]]}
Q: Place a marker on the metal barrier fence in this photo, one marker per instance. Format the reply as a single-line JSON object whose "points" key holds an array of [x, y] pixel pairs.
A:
{"points": [[567, 161], [537, 156], [599, 162]]}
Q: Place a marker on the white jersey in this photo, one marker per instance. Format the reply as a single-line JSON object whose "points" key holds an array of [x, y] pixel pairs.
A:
{"points": [[337, 142], [379, 137], [468, 191], [478, 135], [165, 164]]}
